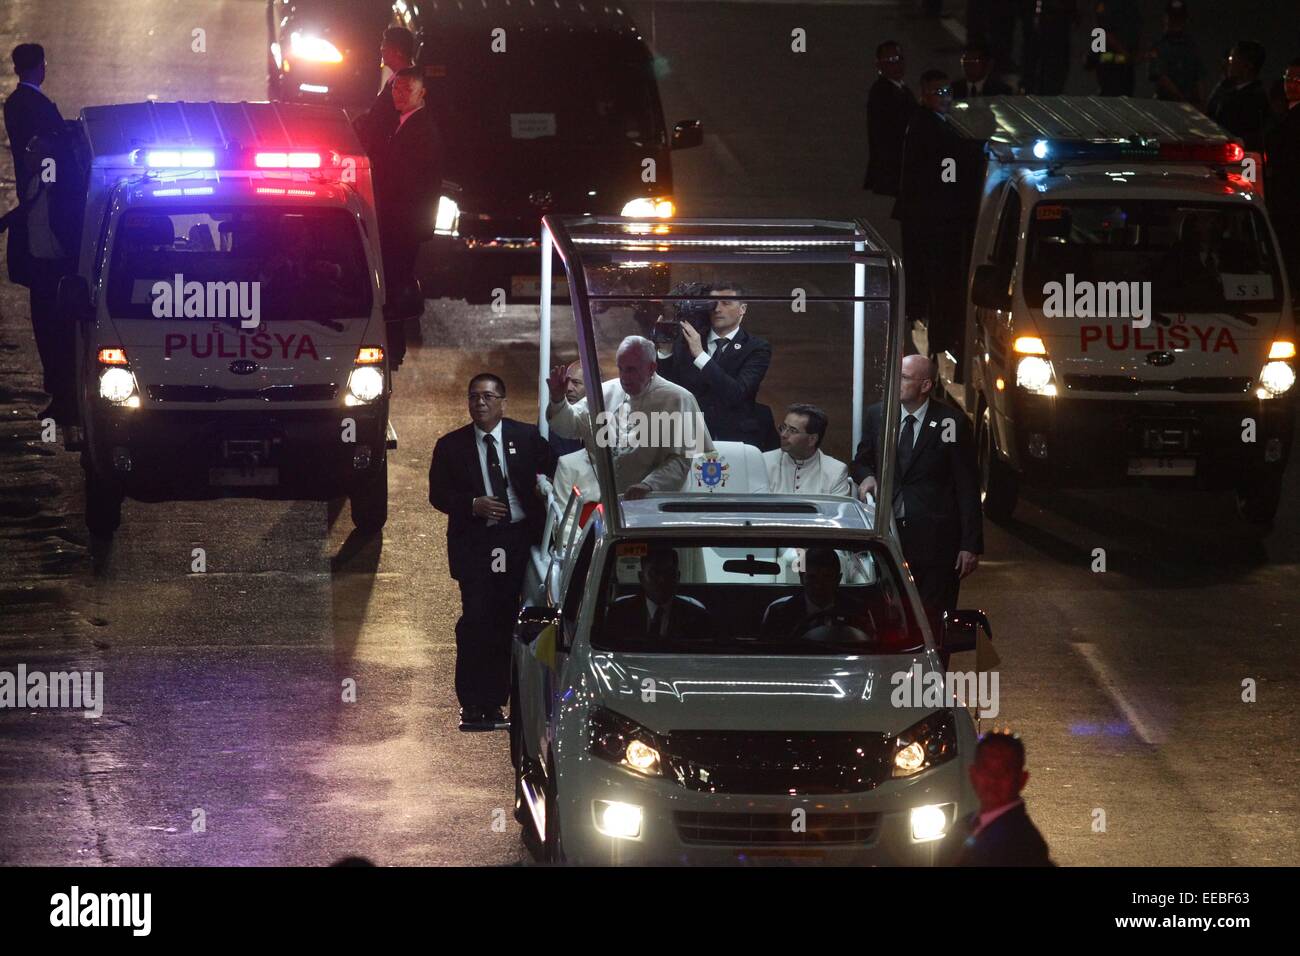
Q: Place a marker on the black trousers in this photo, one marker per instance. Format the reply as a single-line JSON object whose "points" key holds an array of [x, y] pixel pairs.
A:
{"points": [[399, 255], [935, 576], [489, 605], [54, 333], [934, 258]]}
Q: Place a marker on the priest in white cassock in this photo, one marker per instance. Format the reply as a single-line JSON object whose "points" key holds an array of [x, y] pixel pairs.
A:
{"points": [[575, 470], [652, 426], [799, 467]]}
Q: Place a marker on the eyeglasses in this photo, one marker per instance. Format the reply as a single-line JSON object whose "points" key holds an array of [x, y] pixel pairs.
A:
{"points": [[785, 429], [486, 398]]}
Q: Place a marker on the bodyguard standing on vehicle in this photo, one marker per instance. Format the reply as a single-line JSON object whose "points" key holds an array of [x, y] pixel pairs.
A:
{"points": [[29, 114], [484, 478], [1239, 103], [408, 179], [723, 368], [936, 487], [889, 106], [397, 53]]}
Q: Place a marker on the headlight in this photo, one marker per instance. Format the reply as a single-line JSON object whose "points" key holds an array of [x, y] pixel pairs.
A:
{"points": [[648, 208], [304, 46], [931, 822], [616, 819], [1034, 374], [366, 384], [446, 220], [117, 385], [925, 744], [1275, 379], [623, 741]]}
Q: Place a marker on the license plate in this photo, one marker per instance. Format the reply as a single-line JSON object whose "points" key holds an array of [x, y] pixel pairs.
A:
{"points": [[530, 287], [243, 477], [781, 855], [1162, 467]]}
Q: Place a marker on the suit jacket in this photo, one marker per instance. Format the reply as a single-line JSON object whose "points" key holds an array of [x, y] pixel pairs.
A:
{"points": [[1241, 111], [940, 487], [1010, 840], [1282, 173], [376, 125], [687, 619], [28, 113], [727, 387], [992, 86], [456, 479], [408, 179], [785, 614], [888, 110], [924, 198]]}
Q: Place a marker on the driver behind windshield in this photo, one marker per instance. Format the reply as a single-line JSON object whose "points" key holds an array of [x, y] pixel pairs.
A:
{"points": [[821, 602], [658, 612]]}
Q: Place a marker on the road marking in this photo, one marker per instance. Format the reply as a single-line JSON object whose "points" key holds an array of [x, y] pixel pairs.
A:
{"points": [[1145, 728]]}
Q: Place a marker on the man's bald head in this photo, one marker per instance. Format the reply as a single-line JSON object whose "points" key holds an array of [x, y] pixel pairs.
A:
{"points": [[575, 387], [919, 377]]}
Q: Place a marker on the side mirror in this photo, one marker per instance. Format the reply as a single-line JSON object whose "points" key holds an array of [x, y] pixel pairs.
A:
{"points": [[687, 134], [989, 288], [961, 630], [73, 298], [533, 620]]}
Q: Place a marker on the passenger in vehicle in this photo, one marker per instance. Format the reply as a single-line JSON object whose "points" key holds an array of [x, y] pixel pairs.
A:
{"points": [[820, 603], [659, 612]]}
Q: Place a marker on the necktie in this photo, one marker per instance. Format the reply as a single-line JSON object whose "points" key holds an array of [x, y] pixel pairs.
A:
{"points": [[657, 622], [718, 346], [906, 441], [495, 475]]}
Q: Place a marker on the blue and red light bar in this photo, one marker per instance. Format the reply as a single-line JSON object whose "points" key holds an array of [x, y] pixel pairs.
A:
{"points": [[1061, 151], [185, 159]]}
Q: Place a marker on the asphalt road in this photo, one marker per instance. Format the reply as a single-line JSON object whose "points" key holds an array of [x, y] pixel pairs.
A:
{"points": [[224, 688]]}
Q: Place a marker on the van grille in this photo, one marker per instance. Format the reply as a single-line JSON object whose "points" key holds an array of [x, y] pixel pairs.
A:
{"points": [[771, 762], [770, 829], [214, 393]]}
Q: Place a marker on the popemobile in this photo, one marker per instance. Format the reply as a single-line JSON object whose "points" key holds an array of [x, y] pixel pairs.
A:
{"points": [[746, 729]]}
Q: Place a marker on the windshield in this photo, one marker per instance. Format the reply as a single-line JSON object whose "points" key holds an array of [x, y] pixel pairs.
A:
{"points": [[300, 263], [720, 596], [1206, 257]]}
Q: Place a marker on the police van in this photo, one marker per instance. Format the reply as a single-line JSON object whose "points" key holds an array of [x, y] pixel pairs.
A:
{"points": [[1128, 317], [228, 301]]}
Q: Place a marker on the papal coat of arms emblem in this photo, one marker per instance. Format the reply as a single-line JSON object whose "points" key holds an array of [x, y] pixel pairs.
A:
{"points": [[710, 471]]}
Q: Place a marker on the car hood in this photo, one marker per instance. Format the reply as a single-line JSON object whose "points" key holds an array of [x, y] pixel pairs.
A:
{"points": [[667, 692]]}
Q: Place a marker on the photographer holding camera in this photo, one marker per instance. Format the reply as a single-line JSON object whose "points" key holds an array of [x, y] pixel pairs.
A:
{"points": [[708, 353]]}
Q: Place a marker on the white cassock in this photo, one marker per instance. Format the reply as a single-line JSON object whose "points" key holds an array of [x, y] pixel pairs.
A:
{"points": [[817, 475], [574, 470], [652, 435]]}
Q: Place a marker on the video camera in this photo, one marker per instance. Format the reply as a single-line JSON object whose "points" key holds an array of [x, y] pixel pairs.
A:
{"points": [[695, 311]]}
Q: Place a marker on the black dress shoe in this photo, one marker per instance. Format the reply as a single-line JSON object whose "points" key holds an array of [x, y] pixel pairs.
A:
{"points": [[496, 718], [475, 719]]}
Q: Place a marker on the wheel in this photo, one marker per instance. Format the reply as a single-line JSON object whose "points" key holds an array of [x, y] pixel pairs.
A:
{"points": [[370, 500], [553, 843], [1258, 498], [103, 504], [999, 484]]}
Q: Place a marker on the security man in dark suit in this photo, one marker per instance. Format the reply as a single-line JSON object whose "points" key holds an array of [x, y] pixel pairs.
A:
{"points": [[1282, 174], [376, 125], [408, 181], [936, 488], [979, 79], [658, 613], [723, 368], [1240, 103], [484, 478], [889, 106], [1001, 834], [820, 603], [938, 200], [29, 114]]}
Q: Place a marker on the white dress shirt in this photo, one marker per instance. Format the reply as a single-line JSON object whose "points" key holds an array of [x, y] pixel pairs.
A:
{"points": [[516, 509], [818, 474], [988, 816]]}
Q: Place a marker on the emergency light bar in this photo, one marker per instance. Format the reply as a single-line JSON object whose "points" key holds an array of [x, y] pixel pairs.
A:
{"points": [[282, 160], [234, 159], [1054, 151], [175, 158]]}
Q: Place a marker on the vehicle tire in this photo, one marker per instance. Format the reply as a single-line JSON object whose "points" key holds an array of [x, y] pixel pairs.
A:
{"points": [[999, 484], [103, 504], [1258, 498], [553, 842], [370, 500]]}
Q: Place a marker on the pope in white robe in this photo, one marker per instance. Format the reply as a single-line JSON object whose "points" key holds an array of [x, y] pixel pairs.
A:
{"points": [[652, 427]]}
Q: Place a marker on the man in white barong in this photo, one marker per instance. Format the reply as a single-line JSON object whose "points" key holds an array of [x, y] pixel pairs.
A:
{"points": [[653, 427], [799, 467]]}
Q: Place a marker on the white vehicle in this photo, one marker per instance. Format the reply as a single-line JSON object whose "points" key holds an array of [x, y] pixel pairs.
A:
{"points": [[738, 734], [228, 308], [1128, 316]]}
